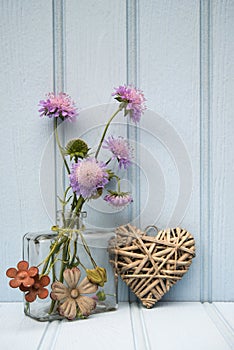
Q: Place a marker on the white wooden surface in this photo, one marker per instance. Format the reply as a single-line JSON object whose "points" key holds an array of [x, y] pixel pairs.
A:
{"points": [[169, 325], [180, 52]]}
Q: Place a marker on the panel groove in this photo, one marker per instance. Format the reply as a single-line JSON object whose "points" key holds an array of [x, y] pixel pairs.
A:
{"points": [[58, 80], [220, 323], [133, 131], [205, 153], [141, 339], [132, 36]]}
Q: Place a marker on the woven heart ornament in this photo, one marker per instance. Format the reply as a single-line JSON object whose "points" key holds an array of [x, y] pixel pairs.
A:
{"points": [[151, 265]]}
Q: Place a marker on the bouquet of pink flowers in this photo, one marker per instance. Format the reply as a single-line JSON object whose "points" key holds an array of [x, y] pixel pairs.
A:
{"points": [[88, 179]]}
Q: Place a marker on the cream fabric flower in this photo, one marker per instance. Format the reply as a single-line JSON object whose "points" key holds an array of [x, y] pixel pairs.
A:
{"points": [[72, 296]]}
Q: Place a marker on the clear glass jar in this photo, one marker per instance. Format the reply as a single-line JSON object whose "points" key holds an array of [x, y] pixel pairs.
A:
{"points": [[70, 245]]}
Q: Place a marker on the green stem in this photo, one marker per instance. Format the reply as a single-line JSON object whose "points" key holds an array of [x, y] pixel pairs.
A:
{"points": [[65, 249], [59, 144], [105, 130], [86, 247], [118, 186], [79, 205], [64, 259], [54, 248]]}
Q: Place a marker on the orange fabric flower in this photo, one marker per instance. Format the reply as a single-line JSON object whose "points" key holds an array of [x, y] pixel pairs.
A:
{"points": [[37, 289], [23, 276]]}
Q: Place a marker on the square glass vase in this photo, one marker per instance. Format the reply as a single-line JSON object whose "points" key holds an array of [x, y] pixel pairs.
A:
{"points": [[55, 251]]}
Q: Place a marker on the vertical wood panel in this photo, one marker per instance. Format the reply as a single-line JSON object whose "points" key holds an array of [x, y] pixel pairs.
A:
{"points": [[181, 54], [95, 63], [222, 147], [95, 49], [169, 75], [26, 75]]}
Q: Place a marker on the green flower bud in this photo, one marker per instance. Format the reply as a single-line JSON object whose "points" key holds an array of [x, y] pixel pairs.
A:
{"points": [[77, 148], [101, 295]]}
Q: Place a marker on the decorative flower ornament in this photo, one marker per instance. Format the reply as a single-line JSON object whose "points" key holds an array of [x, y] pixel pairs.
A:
{"points": [[71, 299], [97, 275], [37, 289], [23, 276]]}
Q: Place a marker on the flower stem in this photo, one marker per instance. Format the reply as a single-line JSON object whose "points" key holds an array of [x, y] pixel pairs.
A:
{"points": [[118, 186], [59, 144], [105, 130]]}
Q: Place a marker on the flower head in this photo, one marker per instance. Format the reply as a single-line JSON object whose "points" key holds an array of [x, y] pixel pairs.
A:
{"points": [[37, 289], [58, 106], [118, 199], [88, 176], [71, 298], [133, 99], [97, 275], [22, 276], [120, 149]]}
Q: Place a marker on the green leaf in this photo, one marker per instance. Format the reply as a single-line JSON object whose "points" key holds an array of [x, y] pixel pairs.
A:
{"points": [[111, 174]]}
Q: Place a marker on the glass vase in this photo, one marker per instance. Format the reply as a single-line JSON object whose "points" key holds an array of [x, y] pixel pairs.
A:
{"points": [[71, 245]]}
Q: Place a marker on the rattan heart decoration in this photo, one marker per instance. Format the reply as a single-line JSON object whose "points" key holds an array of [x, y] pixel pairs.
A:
{"points": [[151, 265]]}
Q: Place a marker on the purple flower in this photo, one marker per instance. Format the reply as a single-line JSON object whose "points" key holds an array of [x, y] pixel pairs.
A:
{"points": [[133, 99], [120, 149], [118, 199], [59, 105], [88, 176]]}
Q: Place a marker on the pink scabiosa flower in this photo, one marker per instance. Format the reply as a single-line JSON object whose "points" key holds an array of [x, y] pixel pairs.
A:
{"points": [[88, 176], [118, 199], [133, 101], [121, 150], [58, 106]]}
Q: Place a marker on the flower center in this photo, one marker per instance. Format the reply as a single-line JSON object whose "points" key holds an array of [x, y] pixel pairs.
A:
{"points": [[36, 286], [74, 293], [22, 275]]}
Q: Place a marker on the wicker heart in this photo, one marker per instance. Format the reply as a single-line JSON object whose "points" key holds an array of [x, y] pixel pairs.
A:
{"points": [[151, 265]]}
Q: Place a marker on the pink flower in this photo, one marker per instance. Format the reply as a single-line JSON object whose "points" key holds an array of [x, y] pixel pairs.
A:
{"points": [[133, 101], [58, 106], [88, 176], [120, 149], [118, 199]]}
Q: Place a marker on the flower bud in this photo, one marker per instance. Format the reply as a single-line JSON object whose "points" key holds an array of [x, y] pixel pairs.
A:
{"points": [[97, 275], [101, 295]]}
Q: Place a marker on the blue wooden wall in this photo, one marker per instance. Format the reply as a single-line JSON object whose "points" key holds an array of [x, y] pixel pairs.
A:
{"points": [[180, 52]]}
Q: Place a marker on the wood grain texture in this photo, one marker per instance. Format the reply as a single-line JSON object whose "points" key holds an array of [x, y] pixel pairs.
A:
{"points": [[227, 311], [131, 327], [222, 146], [101, 331], [178, 330], [205, 152], [95, 49], [15, 328], [181, 54], [95, 61], [169, 76], [26, 75]]}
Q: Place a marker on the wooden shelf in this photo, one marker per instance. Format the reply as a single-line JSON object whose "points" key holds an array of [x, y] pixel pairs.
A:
{"points": [[174, 325]]}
